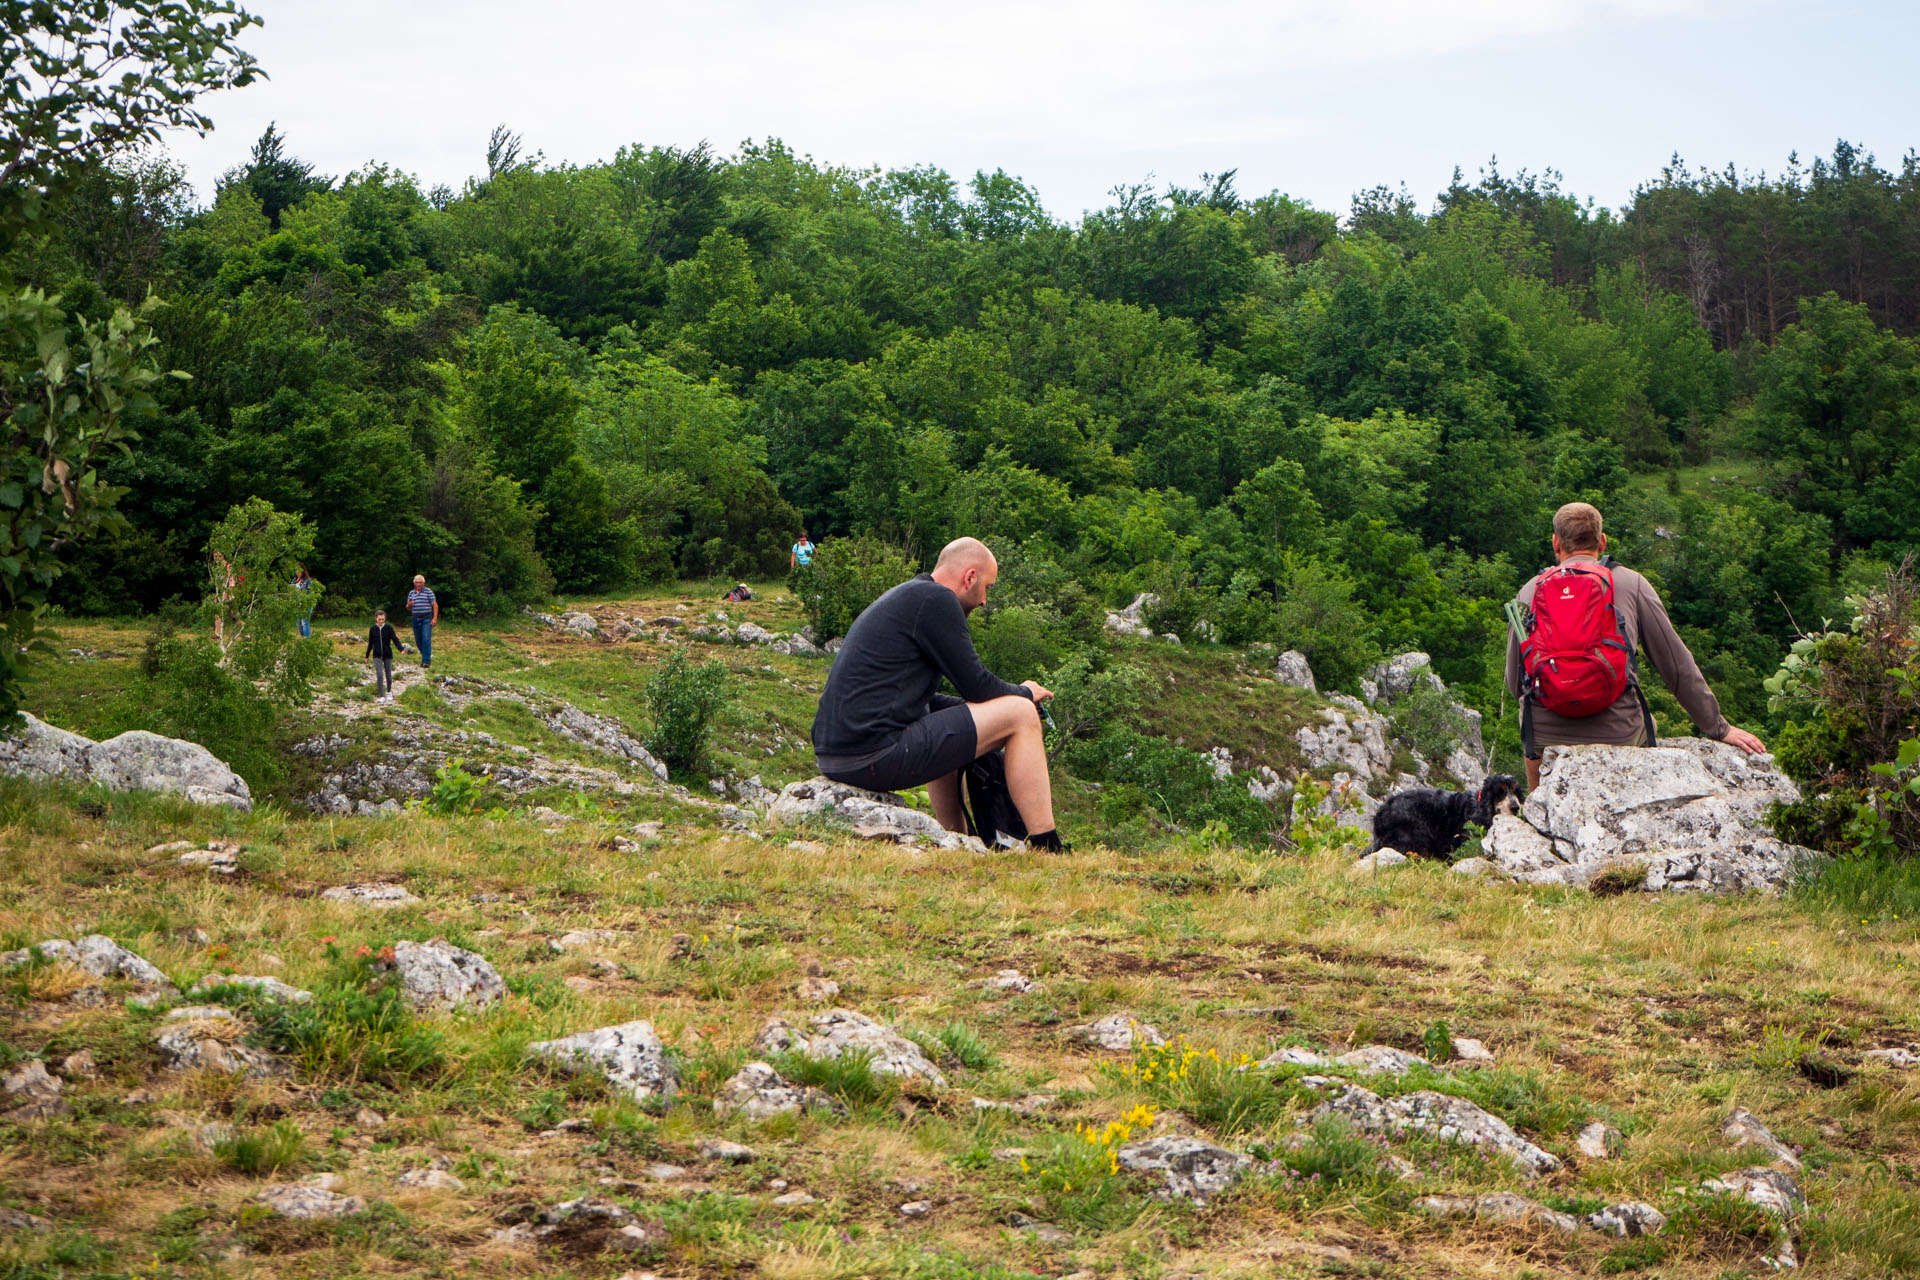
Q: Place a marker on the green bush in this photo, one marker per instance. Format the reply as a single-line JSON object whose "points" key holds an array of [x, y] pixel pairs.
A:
{"points": [[1174, 783], [846, 576], [184, 691], [1021, 642], [350, 1031], [685, 700], [1427, 720], [278, 1146], [1318, 616]]}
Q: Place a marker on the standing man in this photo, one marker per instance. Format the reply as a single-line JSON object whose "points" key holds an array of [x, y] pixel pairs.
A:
{"points": [[881, 725], [802, 553], [1575, 646], [425, 611], [303, 582]]}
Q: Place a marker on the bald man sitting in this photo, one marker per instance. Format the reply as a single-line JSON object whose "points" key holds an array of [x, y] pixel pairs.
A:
{"points": [[882, 726]]}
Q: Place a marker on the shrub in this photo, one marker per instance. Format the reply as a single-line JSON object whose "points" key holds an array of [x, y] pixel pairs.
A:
{"points": [[1175, 783], [1852, 699], [351, 1031], [1087, 701], [1021, 642], [685, 700], [455, 791], [846, 576], [1427, 720], [1319, 616], [184, 691], [280, 1145]]}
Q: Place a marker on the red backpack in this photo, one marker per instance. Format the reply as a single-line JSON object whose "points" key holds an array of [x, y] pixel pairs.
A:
{"points": [[1575, 652]]}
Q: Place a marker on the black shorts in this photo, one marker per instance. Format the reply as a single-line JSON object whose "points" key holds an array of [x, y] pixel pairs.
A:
{"points": [[943, 743]]}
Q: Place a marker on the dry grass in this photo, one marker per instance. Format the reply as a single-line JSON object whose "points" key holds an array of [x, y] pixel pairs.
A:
{"points": [[1655, 1014]]}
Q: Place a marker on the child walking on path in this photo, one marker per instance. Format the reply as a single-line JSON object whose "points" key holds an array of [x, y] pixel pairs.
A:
{"points": [[382, 640]]}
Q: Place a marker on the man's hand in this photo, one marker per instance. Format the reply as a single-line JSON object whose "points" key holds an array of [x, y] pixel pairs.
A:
{"points": [[1738, 737], [1040, 694]]}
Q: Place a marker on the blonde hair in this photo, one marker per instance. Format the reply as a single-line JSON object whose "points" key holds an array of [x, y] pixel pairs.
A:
{"points": [[1577, 525]]}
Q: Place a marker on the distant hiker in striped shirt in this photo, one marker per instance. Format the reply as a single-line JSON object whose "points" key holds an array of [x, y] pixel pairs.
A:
{"points": [[425, 610]]}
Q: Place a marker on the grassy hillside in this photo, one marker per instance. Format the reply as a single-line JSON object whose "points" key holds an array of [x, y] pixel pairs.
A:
{"points": [[1655, 1015]]}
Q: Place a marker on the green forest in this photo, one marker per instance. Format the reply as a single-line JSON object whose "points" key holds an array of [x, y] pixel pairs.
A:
{"points": [[1339, 431]]}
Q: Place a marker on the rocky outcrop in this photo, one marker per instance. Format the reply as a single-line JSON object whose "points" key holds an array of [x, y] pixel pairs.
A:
{"points": [[872, 815], [1189, 1168], [32, 1093], [841, 1031], [1351, 739], [1131, 621], [293, 1200], [207, 1038], [629, 1056], [438, 976], [1683, 816], [1448, 1118], [98, 955], [1117, 1033], [1293, 669], [134, 761]]}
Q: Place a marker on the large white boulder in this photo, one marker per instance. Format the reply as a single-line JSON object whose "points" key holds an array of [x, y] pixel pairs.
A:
{"points": [[134, 761], [1293, 669], [1350, 738], [1686, 815], [873, 815], [629, 1057]]}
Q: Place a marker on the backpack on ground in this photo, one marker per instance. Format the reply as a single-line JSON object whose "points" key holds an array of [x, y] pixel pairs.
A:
{"points": [[1574, 648], [990, 802]]}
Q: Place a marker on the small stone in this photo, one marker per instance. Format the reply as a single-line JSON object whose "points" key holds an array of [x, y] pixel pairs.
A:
{"points": [[16, 1220], [758, 1092], [730, 1152], [1769, 1190], [661, 1172], [1004, 980], [271, 987], [368, 1118], [1503, 1208], [1598, 1142], [578, 939], [793, 1199], [1031, 1105], [306, 1202], [79, 1065], [1744, 1129], [916, 1208], [1293, 1055], [370, 895], [1628, 1218], [1379, 860], [1381, 1059], [172, 846], [1896, 1058], [630, 1057], [817, 990], [429, 1180], [438, 976], [1476, 868], [34, 1093], [1471, 1052], [1117, 1033], [1192, 1168]]}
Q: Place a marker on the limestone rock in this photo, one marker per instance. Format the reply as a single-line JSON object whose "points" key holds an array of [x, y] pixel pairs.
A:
{"points": [[754, 633], [630, 1057], [582, 940], [79, 1065], [370, 895], [1355, 741], [272, 988], [429, 1180], [1117, 1032], [839, 1031], [916, 1208], [1471, 1053], [296, 1200], [16, 1220], [1502, 1208], [206, 1038], [1346, 801], [1769, 1190], [1628, 1218], [134, 761], [1449, 1118], [873, 815], [438, 975], [757, 1092], [1476, 868], [1743, 1129], [32, 1093], [813, 990], [102, 957], [1381, 1059], [1132, 620], [1598, 1142], [599, 733], [220, 860], [1031, 1105], [793, 1200], [580, 624], [1294, 1055], [1896, 1058], [1397, 677], [728, 1152], [1266, 786], [1379, 860], [1004, 980], [1679, 817], [1293, 669], [1191, 1168]]}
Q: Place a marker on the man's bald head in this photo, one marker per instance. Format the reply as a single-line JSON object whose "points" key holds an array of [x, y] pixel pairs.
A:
{"points": [[967, 568]]}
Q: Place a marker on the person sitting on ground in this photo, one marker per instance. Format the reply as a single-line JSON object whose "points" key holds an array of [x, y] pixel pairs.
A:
{"points": [[882, 726], [382, 640], [1579, 546], [741, 591]]}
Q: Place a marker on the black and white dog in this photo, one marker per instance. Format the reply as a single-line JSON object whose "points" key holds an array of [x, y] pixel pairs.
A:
{"points": [[1428, 823]]}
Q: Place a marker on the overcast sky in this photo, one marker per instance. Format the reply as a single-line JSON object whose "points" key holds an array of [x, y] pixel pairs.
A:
{"points": [[1316, 98]]}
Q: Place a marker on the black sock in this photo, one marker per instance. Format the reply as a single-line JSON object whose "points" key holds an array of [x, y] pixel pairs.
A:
{"points": [[1046, 840]]}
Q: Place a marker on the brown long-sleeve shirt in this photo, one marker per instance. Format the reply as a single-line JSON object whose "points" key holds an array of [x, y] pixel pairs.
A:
{"points": [[1651, 633]]}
